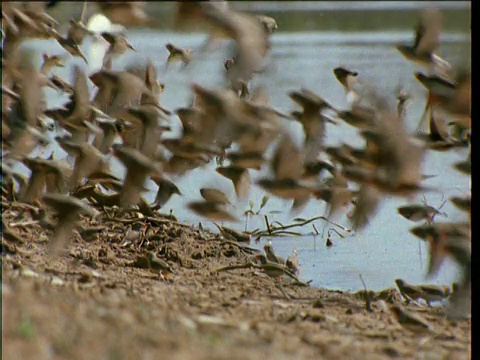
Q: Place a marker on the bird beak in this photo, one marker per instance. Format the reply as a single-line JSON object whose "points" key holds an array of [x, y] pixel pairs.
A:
{"points": [[131, 47]]}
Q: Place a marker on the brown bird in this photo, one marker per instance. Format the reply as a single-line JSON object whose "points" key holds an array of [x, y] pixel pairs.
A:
{"points": [[146, 119], [410, 321], [212, 211], [88, 159], [119, 89], [133, 233], [178, 54], [77, 30], [287, 165], [273, 269], [346, 77], [427, 39], [292, 262], [214, 196], [166, 189], [312, 120], [50, 63], [240, 178], [238, 80], [69, 45], [462, 203], [233, 235], [126, 13], [119, 45], [269, 23], [159, 266], [271, 255], [138, 168], [419, 212], [426, 292], [68, 209]]}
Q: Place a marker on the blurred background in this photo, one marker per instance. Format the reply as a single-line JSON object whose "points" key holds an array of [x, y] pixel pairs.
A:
{"points": [[295, 16], [312, 39]]}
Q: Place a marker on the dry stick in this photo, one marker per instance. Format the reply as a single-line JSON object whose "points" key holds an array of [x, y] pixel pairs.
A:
{"points": [[336, 231], [368, 302], [314, 228], [268, 225], [316, 218]]}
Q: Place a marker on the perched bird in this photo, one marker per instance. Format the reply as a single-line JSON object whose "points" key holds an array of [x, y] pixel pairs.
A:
{"points": [[159, 266], [133, 233], [292, 262], [271, 255], [233, 235], [273, 269], [428, 293], [410, 321]]}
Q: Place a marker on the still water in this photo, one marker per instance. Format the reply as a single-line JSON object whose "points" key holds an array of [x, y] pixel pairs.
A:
{"points": [[385, 249]]}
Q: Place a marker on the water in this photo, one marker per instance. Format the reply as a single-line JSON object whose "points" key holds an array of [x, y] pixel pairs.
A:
{"points": [[383, 251]]}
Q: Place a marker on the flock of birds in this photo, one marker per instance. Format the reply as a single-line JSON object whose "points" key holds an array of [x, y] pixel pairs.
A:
{"points": [[235, 125]]}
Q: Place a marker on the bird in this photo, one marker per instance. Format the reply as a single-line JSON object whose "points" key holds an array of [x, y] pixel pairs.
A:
{"points": [[233, 235], [419, 212], [240, 178], [138, 168], [427, 40], [269, 23], [50, 63], [428, 293], [411, 322], [211, 210], [68, 210], [69, 45], [214, 196], [348, 79], [271, 255], [133, 233], [126, 13], [166, 188], [159, 266], [273, 269], [119, 45], [292, 262], [178, 54], [78, 30]]}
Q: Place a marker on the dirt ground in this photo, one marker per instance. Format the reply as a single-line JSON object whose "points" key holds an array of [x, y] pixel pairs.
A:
{"points": [[98, 301]]}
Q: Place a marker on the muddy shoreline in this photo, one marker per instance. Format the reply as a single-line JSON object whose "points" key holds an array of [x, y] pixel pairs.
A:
{"points": [[98, 301]]}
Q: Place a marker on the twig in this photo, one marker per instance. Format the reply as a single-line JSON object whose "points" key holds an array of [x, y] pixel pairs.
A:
{"points": [[24, 224], [268, 225], [368, 301], [314, 228]]}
